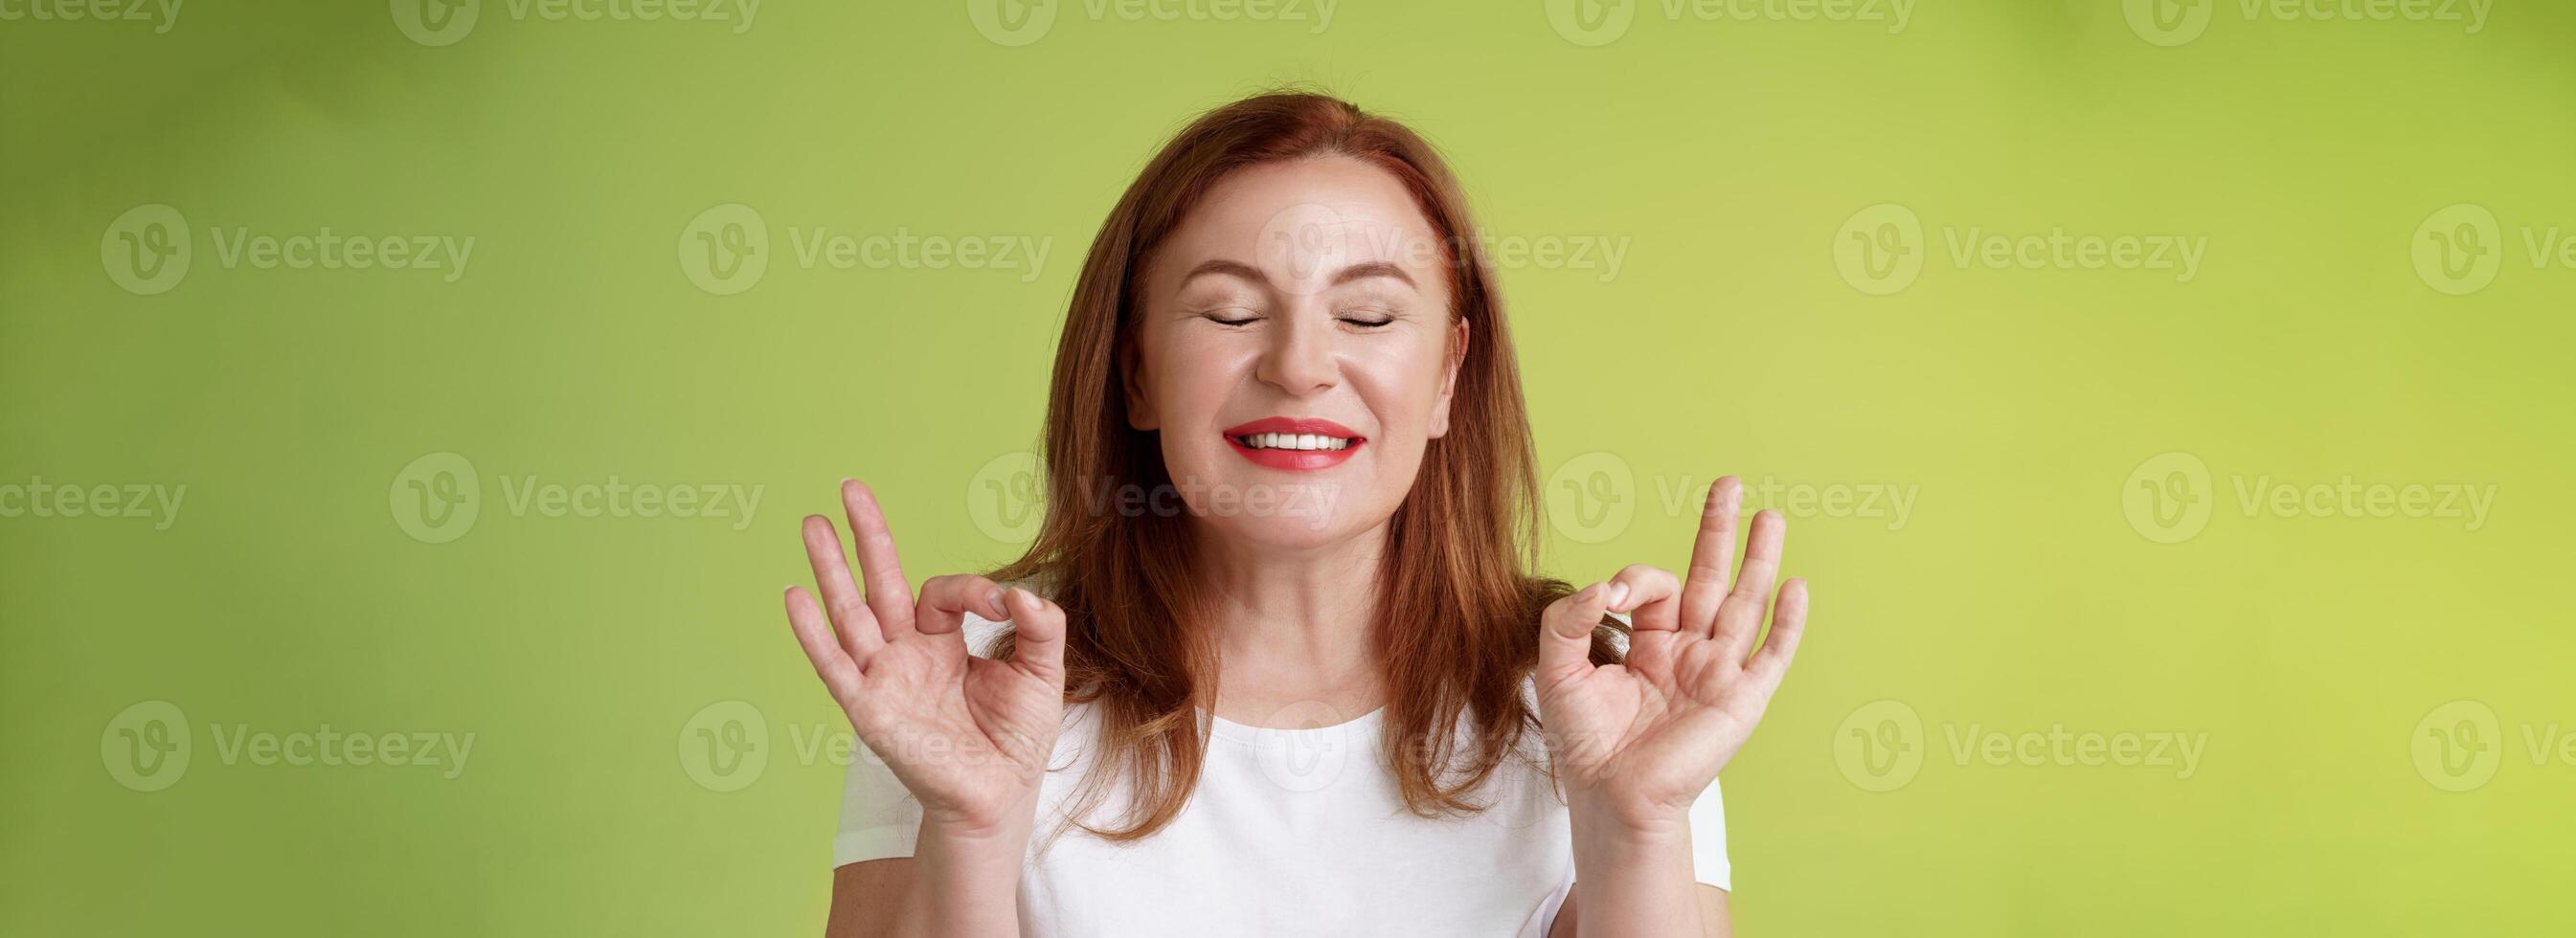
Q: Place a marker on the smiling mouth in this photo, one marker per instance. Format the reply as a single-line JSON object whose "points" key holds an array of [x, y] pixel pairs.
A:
{"points": [[1294, 443]]}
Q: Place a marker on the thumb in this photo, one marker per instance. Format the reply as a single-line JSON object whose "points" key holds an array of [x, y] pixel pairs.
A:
{"points": [[1565, 634], [1038, 627]]}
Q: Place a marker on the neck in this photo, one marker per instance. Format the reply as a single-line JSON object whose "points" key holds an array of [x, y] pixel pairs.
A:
{"points": [[1293, 626]]}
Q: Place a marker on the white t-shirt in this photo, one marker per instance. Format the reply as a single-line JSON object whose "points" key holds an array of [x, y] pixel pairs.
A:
{"points": [[1289, 832]]}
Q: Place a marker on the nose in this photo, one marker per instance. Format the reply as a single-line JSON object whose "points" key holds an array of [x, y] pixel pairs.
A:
{"points": [[1300, 358]]}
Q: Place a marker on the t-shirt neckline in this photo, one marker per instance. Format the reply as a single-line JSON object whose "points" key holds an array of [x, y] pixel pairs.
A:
{"points": [[1222, 728]]}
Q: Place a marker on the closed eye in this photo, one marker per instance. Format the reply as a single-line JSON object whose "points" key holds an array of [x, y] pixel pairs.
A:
{"points": [[1367, 317], [1232, 317]]}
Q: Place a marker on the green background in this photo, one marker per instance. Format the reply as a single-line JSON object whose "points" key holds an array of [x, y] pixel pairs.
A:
{"points": [[2023, 592]]}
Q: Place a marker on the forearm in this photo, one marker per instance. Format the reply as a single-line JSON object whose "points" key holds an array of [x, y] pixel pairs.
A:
{"points": [[966, 882], [1631, 882]]}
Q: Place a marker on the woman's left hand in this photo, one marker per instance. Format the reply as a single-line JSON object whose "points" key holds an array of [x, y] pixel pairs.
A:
{"points": [[1636, 744]]}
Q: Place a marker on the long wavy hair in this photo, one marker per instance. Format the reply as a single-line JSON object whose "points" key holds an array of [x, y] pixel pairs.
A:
{"points": [[1457, 633]]}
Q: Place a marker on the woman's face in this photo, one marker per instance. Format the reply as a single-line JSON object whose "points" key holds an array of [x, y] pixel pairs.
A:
{"points": [[1296, 351]]}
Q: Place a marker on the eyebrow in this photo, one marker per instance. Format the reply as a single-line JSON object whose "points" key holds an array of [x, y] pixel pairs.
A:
{"points": [[1240, 269]]}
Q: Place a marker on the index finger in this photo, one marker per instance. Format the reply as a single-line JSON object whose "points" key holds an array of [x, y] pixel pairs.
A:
{"points": [[889, 594], [1712, 557]]}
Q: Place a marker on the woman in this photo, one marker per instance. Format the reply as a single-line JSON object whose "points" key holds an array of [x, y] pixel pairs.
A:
{"points": [[1276, 663]]}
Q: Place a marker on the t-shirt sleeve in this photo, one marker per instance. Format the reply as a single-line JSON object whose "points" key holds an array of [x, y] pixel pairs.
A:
{"points": [[879, 818], [1708, 840]]}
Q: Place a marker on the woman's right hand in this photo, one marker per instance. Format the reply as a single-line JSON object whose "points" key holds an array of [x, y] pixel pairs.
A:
{"points": [[968, 736]]}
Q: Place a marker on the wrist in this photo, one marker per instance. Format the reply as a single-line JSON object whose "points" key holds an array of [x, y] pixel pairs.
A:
{"points": [[1611, 822], [1633, 878], [968, 830], [989, 822], [974, 843], [970, 849], [966, 877]]}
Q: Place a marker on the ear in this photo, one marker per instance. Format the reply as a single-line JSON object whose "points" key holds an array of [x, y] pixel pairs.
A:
{"points": [[1131, 382], [1449, 379]]}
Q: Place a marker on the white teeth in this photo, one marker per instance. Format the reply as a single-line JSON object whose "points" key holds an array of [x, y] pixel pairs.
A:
{"points": [[1299, 441]]}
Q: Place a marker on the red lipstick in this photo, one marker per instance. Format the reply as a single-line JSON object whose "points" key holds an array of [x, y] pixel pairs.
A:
{"points": [[1294, 459]]}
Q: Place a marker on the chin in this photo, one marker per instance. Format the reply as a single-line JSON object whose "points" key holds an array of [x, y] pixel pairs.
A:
{"points": [[1283, 511]]}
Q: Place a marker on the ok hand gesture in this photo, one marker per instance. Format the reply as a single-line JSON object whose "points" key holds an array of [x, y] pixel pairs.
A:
{"points": [[968, 736], [1637, 743]]}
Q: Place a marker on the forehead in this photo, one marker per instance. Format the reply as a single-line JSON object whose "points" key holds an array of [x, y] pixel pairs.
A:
{"points": [[1292, 218]]}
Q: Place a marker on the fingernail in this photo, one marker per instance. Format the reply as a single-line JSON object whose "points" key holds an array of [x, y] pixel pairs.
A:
{"points": [[995, 599], [1618, 594], [1588, 593], [1026, 599]]}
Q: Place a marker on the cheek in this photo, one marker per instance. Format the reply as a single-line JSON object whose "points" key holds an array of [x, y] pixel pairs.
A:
{"points": [[1191, 377], [1184, 359], [1186, 366], [1403, 382]]}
